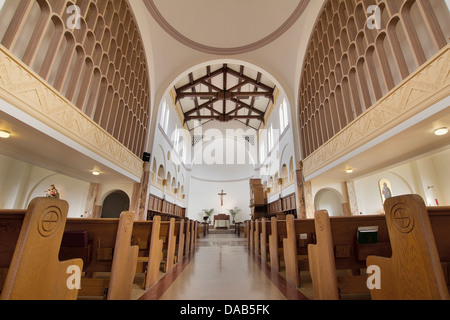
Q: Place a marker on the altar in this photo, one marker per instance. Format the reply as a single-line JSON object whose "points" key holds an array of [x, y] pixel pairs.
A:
{"points": [[222, 221]]}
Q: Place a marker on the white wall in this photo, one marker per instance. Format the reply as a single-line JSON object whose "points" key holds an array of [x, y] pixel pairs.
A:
{"points": [[206, 196], [222, 162], [414, 177], [22, 182]]}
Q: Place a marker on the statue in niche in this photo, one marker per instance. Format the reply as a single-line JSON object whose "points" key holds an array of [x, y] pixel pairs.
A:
{"points": [[52, 192]]}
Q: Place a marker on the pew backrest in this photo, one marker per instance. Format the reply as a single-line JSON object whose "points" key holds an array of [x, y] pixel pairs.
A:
{"points": [[147, 235], [35, 272], [298, 233], [321, 260], [124, 262], [414, 271], [264, 239]]}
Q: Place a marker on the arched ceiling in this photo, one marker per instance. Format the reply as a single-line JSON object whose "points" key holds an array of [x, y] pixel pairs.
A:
{"points": [[226, 27]]}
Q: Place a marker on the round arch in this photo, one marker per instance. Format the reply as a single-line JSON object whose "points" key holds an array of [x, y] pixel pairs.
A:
{"points": [[114, 204], [331, 200]]}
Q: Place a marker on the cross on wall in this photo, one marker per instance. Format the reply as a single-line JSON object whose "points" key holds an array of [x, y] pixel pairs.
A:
{"points": [[222, 194]]}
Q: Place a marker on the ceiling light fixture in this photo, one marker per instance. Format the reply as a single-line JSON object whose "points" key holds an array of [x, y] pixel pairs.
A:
{"points": [[96, 173], [441, 131], [349, 170], [5, 134]]}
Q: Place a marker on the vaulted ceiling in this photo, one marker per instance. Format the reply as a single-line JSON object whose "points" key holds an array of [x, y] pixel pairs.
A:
{"points": [[225, 92]]}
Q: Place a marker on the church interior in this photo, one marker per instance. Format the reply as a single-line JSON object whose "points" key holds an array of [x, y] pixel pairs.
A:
{"points": [[202, 128]]}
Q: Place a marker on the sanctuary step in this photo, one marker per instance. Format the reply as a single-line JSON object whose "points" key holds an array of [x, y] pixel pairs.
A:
{"points": [[231, 230]]}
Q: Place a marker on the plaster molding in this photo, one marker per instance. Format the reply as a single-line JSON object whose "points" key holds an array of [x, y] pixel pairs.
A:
{"points": [[167, 27]]}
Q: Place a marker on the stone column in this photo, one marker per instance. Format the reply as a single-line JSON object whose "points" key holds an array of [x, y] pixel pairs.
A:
{"points": [[301, 206], [351, 205], [139, 201], [91, 210]]}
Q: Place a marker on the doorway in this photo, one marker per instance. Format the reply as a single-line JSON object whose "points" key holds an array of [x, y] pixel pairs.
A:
{"points": [[114, 204]]}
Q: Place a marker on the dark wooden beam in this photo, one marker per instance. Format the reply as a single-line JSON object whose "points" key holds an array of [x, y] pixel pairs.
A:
{"points": [[200, 107], [200, 80], [224, 95], [252, 81]]}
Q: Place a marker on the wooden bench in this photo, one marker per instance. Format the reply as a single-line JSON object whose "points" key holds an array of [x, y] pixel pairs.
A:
{"points": [[414, 271], [191, 240], [346, 252], [181, 238], [111, 268], [167, 234], [337, 248], [146, 235], [257, 237], [278, 233], [35, 272], [298, 234], [251, 234], [264, 240]]}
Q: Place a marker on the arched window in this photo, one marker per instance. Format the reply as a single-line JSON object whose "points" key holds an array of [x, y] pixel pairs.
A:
{"points": [[163, 114], [284, 121], [166, 120]]}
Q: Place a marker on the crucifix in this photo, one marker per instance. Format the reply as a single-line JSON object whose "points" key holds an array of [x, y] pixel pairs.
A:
{"points": [[221, 197]]}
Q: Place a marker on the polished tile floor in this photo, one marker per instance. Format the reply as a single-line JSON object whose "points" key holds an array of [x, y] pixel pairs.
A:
{"points": [[222, 269]]}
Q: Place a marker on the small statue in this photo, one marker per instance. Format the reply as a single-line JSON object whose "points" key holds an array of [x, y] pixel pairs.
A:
{"points": [[52, 192]]}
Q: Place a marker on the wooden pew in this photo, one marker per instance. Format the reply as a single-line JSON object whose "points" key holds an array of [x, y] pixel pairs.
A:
{"points": [[194, 227], [346, 253], [35, 272], [179, 231], [251, 235], [167, 234], [146, 234], [256, 236], [264, 240], [187, 236], [336, 250], [295, 247], [321, 260], [112, 266], [277, 233], [414, 271]]}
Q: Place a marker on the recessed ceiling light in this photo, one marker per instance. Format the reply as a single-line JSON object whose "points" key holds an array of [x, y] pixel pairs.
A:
{"points": [[5, 134], [441, 131], [96, 173]]}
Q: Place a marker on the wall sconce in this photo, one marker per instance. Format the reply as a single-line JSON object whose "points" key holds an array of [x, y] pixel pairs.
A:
{"points": [[268, 190], [164, 182], [280, 181], [175, 190]]}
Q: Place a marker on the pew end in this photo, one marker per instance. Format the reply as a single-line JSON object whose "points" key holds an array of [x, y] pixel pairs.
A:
{"points": [[414, 271], [321, 260], [35, 272]]}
